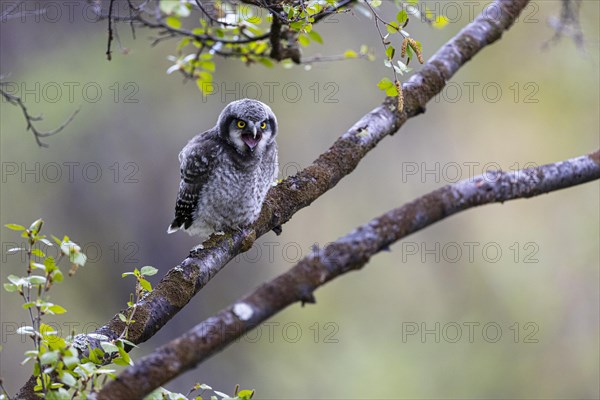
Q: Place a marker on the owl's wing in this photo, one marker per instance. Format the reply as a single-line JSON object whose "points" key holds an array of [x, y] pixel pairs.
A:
{"points": [[195, 161]]}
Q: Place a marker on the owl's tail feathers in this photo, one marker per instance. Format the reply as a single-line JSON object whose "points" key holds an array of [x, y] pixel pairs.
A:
{"points": [[175, 226]]}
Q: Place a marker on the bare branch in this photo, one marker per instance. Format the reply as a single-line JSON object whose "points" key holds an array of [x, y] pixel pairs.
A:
{"points": [[349, 253], [30, 119], [110, 29]]}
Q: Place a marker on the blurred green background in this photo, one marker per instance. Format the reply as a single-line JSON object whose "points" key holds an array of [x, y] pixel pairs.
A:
{"points": [[518, 317]]}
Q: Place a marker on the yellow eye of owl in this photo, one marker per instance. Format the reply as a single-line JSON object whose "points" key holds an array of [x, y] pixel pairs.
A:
{"points": [[263, 125], [241, 124]]}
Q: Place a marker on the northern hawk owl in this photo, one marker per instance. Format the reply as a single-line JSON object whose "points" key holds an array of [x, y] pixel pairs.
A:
{"points": [[227, 171]]}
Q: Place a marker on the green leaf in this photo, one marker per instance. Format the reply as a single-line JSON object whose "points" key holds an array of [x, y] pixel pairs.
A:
{"points": [[57, 275], [47, 331], [38, 253], [392, 27], [184, 42], [245, 394], [440, 22], [15, 227], [297, 26], [57, 240], [109, 347], [37, 280], [56, 343], [56, 309], [375, 3], [409, 53], [78, 258], [385, 83], [392, 91], [389, 52], [16, 280], [401, 17], [148, 271], [71, 361], [254, 20], [205, 86], [67, 378], [173, 22], [207, 65], [122, 361], [49, 265], [28, 305], [36, 226], [122, 317], [49, 357], [315, 37], [303, 40], [350, 54], [267, 62], [145, 285], [10, 287], [35, 265], [60, 394]]}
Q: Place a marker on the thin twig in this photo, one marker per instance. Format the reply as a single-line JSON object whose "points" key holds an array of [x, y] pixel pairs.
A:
{"points": [[30, 119], [110, 30]]}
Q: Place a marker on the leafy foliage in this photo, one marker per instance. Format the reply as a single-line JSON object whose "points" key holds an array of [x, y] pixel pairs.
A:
{"points": [[75, 366], [257, 32]]}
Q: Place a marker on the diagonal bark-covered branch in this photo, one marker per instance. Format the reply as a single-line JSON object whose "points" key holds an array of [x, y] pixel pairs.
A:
{"points": [[182, 282], [349, 253]]}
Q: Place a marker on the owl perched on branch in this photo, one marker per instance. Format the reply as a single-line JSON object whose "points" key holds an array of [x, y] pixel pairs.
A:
{"points": [[227, 171]]}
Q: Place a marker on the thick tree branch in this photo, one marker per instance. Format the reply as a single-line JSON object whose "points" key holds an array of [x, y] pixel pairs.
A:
{"points": [[349, 253], [182, 282]]}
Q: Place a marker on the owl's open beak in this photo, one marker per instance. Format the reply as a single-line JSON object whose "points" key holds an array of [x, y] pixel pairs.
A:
{"points": [[251, 138]]}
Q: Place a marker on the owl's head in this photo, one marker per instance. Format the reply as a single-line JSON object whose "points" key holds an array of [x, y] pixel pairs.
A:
{"points": [[248, 125]]}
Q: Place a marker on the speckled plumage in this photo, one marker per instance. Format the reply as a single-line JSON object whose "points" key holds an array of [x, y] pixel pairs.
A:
{"points": [[227, 171]]}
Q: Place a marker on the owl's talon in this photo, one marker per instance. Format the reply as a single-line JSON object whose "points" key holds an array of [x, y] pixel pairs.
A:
{"points": [[198, 247], [220, 233]]}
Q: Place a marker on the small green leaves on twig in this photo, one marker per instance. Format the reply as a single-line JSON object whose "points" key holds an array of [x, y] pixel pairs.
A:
{"points": [[142, 287], [409, 47], [56, 363], [202, 389]]}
